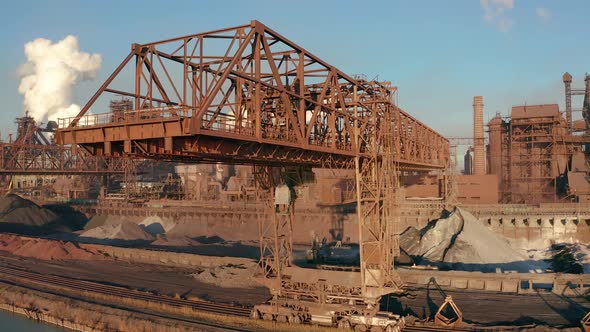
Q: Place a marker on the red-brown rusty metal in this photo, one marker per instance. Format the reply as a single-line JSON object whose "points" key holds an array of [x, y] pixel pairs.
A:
{"points": [[245, 95], [248, 95], [37, 159], [33, 153], [586, 322], [448, 314]]}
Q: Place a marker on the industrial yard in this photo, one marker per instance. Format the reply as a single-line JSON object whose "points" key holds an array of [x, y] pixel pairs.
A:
{"points": [[235, 180]]}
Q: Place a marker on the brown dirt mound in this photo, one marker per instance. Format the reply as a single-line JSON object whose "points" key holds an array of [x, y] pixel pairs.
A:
{"points": [[46, 249], [230, 275], [175, 241]]}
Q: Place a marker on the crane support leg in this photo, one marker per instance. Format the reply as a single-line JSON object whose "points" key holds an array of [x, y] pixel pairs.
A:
{"points": [[378, 216], [275, 220]]}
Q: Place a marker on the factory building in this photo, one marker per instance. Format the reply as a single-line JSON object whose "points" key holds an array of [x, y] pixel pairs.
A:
{"points": [[539, 155]]}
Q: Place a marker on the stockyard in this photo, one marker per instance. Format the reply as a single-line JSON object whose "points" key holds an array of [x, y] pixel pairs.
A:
{"points": [[235, 180]]}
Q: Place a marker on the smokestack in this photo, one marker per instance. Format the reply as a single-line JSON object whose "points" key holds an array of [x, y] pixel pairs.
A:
{"points": [[479, 166], [495, 156], [586, 109], [567, 81], [468, 163]]}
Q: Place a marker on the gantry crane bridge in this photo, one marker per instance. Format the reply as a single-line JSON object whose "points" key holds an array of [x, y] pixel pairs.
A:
{"points": [[248, 95], [32, 160]]}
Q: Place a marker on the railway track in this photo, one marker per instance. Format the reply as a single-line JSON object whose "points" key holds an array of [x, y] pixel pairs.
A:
{"points": [[202, 306], [120, 292], [421, 328]]}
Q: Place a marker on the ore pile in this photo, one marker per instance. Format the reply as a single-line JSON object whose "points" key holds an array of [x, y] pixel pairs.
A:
{"points": [[19, 215], [17, 210], [570, 258], [45, 249], [125, 231], [174, 241], [229, 276], [152, 224], [459, 241]]}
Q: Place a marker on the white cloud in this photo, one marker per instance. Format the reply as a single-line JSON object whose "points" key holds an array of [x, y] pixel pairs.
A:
{"points": [[543, 13], [495, 13]]}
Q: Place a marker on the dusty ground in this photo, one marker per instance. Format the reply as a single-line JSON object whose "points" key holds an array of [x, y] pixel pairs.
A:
{"points": [[480, 307], [487, 308], [230, 283], [153, 278]]}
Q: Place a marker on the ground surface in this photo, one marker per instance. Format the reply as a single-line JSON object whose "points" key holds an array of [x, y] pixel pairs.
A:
{"points": [[489, 308], [154, 278], [477, 307]]}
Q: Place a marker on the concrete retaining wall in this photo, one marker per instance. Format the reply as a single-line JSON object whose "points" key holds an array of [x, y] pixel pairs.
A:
{"points": [[240, 222], [39, 316], [563, 284]]}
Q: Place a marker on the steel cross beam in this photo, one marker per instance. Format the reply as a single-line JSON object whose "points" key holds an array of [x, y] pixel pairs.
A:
{"points": [[249, 95]]}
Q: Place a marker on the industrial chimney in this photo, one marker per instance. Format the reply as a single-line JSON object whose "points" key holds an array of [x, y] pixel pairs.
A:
{"points": [[479, 167], [468, 162], [586, 108], [495, 156], [567, 81]]}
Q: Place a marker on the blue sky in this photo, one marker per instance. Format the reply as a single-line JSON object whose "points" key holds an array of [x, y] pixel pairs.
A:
{"points": [[439, 53]]}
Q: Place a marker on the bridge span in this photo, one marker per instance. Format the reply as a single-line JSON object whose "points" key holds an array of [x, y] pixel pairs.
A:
{"points": [[249, 95], [246, 95]]}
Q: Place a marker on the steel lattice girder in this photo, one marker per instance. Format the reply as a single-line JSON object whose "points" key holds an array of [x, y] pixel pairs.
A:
{"points": [[246, 84], [249, 95], [23, 159]]}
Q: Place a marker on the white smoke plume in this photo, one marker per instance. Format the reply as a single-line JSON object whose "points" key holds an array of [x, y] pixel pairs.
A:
{"points": [[49, 75]]}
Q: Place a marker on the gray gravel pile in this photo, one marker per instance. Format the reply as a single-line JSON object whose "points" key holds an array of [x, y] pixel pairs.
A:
{"points": [[461, 241], [125, 230]]}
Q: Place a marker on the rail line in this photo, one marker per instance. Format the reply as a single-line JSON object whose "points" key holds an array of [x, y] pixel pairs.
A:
{"points": [[208, 307], [127, 293], [81, 285], [420, 328], [430, 328]]}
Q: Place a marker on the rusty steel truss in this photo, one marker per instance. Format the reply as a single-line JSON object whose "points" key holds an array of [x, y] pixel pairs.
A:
{"points": [[32, 153], [244, 94], [248, 95], [37, 159]]}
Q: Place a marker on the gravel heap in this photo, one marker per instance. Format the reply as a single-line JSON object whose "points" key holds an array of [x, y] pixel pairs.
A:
{"points": [[462, 242], [156, 225], [126, 230], [229, 276], [101, 220]]}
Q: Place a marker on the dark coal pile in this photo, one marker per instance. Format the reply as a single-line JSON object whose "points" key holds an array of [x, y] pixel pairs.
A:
{"points": [[564, 260], [70, 220], [17, 210], [20, 215]]}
